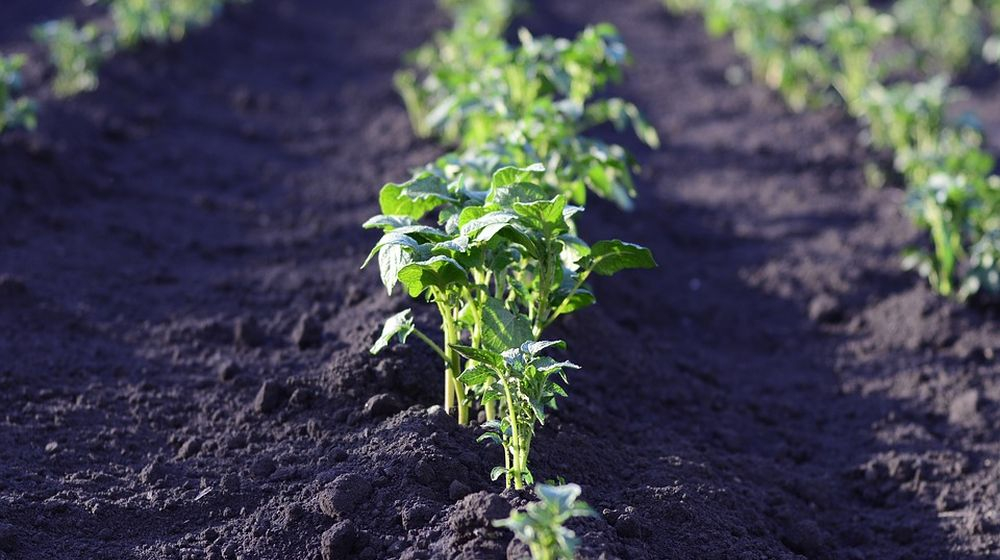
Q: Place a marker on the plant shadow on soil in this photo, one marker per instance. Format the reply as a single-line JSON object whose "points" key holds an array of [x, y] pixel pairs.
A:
{"points": [[174, 242]]}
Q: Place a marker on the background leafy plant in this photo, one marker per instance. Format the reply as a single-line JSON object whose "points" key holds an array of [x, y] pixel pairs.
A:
{"points": [[810, 50], [77, 51]]}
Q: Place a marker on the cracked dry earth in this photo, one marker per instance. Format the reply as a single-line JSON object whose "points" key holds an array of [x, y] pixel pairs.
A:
{"points": [[184, 328]]}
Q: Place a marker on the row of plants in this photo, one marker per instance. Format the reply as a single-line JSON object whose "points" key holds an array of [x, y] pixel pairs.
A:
{"points": [[890, 69], [488, 232], [76, 51]]}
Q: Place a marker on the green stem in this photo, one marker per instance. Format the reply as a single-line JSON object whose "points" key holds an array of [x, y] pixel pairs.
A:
{"points": [[507, 465], [545, 280], [942, 248], [515, 438], [453, 362], [437, 349], [562, 305]]}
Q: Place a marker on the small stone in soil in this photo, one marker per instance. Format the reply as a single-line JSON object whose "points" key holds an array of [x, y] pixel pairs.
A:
{"points": [[269, 398], [262, 467], [301, 397], [227, 370], [337, 541], [307, 333], [824, 308], [964, 410], [248, 333], [381, 405], [189, 449], [152, 473], [51, 447], [343, 495]]}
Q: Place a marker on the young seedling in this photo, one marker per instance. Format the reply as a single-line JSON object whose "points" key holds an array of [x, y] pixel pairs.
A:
{"points": [[160, 20], [542, 524], [521, 379], [15, 110], [76, 53]]}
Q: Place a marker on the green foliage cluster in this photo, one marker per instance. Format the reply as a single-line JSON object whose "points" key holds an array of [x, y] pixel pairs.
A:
{"points": [[77, 51], [15, 110], [487, 233], [816, 52], [528, 102], [541, 525]]}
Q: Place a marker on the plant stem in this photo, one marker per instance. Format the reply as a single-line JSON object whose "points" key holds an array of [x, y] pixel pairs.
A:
{"points": [[515, 438], [453, 367], [545, 285], [561, 309], [437, 349]]}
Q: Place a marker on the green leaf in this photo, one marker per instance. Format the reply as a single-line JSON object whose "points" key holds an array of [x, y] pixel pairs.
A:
{"points": [[497, 472], [476, 375], [574, 248], [502, 329], [458, 244], [480, 355], [391, 260], [580, 299], [435, 272], [498, 218], [399, 325], [415, 197], [544, 214], [564, 495], [490, 436], [510, 175], [547, 365], [536, 347], [506, 195], [391, 238], [387, 223], [609, 257], [426, 234]]}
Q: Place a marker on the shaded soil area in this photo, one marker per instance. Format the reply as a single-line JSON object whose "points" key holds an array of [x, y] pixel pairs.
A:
{"points": [[184, 329]]}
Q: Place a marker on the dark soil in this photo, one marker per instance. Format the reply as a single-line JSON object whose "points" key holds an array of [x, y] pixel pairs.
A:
{"points": [[184, 329]]}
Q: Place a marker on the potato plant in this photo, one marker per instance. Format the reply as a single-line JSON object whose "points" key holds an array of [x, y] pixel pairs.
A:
{"points": [[76, 52], [500, 265], [532, 102], [521, 378], [542, 524], [487, 233], [15, 109], [808, 50], [159, 20]]}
